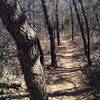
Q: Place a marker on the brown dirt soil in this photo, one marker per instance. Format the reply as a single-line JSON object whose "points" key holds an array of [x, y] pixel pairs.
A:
{"points": [[67, 82]]}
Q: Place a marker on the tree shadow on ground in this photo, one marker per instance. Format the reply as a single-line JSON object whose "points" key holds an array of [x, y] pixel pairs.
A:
{"points": [[81, 94], [93, 77], [86, 91], [61, 75]]}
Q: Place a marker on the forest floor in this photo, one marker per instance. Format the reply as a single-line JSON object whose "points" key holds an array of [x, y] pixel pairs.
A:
{"points": [[67, 81]]}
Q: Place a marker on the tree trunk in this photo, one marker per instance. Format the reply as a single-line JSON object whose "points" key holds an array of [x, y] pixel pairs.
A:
{"points": [[72, 22], [27, 48], [51, 35], [33, 14], [81, 29], [87, 33], [41, 52], [57, 23]]}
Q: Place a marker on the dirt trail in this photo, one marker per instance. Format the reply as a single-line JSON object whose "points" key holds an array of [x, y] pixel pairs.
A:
{"points": [[67, 81]]}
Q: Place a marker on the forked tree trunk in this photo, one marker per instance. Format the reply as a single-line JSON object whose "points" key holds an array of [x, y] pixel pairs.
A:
{"points": [[81, 30], [80, 25], [87, 32], [27, 48]]}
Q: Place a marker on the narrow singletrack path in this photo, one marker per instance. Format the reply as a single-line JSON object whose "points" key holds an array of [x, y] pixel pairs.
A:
{"points": [[67, 82]]}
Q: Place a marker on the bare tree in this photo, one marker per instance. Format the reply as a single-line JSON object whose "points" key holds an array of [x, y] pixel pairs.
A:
{"points": [[33, 14], [72, 22], [57, 23], [86, 44], [87, 33], [27, 48], [51, 34]]}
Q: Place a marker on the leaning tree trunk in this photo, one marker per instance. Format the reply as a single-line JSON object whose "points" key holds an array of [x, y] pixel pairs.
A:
{"points": [[81, 29], [27, 48], [51, 34], [88, 33]]}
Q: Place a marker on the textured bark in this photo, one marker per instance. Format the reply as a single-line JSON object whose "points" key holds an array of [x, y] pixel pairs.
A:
{"points": [[27, 48], [51, 35], [41, 52]]}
